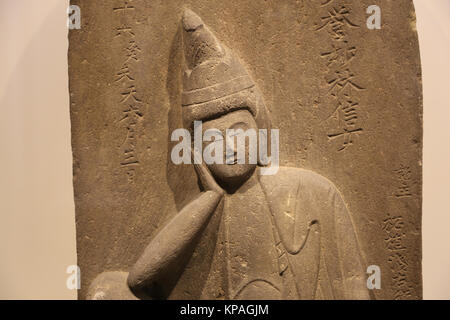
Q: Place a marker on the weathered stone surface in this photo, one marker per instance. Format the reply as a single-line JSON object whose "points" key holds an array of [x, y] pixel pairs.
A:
{"points": [[348, 105]]}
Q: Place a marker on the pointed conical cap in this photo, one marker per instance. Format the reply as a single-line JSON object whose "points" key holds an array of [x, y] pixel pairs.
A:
{"points": [[212, 71], [200, 44]]}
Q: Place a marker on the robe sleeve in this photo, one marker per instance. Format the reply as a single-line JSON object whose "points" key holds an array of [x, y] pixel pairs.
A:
{"points": [[318, 236], [343, 257]]}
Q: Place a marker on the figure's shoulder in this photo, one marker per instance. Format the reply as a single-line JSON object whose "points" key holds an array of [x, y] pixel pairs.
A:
{"points": [[294, 178], [304, 192]]}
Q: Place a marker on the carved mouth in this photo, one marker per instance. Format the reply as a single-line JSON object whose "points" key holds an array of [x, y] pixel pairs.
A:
{"points": [[234, 162]]}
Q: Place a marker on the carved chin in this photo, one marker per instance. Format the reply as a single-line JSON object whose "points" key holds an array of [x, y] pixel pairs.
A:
{"points": [[232, 175]]}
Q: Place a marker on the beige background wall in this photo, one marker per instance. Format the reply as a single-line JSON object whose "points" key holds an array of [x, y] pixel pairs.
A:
{"points": [[37, 229], [433, 23]]}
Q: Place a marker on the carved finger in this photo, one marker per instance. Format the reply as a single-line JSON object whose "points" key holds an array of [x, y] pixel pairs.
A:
{"points": [[205, 176]]}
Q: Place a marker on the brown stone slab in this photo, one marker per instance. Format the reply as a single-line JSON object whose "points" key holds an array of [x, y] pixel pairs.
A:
{"points": [[347, 101]]}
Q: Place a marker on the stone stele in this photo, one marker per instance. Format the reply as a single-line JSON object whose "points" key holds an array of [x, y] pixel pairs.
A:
{"points": [[339, 219]]}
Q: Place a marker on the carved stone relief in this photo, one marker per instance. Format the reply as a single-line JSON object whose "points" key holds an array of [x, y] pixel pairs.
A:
{"points": [[338, 189]]}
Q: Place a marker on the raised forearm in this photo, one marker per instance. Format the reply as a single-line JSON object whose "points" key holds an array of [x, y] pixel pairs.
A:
{"points": [[166, 250]]}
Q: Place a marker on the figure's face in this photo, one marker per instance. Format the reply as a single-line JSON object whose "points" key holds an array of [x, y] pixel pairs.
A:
{"points": [[231, 173]]}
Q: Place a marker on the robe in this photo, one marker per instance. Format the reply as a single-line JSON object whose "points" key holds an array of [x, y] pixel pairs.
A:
{"points": [[298, 242]]}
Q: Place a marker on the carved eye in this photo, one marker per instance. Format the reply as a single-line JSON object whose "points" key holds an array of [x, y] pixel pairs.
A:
{"points": [[215, 135]]}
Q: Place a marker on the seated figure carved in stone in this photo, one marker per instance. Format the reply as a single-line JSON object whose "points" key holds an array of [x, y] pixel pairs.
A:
{"points": [[247, 236]]}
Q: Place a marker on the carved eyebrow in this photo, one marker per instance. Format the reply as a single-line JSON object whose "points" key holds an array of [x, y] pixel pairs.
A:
{"points": [[235, 128], [240, 123]]}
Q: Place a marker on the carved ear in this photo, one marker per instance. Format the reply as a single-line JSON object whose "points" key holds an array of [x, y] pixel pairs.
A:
{"points": [[200, 44], [263, 120]]}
